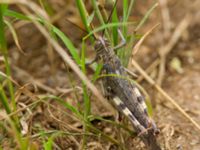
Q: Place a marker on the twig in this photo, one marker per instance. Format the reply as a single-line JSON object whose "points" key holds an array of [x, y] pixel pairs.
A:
{"points": [[131, 73], [150, 68], [139, 43], [137, 47]]}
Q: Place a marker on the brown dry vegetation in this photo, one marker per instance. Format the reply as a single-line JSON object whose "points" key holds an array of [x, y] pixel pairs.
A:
{"points": [[40, 71]]}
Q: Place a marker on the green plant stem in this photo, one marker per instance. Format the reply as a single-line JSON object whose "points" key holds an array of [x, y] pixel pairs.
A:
{"points": [[3, 49], [100, 17], [125, 10], [13, 121], [130, 9], [114, 29], [4, 100], [83, 13], [87, 104]]}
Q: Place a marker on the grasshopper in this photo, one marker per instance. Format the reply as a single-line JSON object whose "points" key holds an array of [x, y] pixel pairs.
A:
{"points": [[123, 94]]}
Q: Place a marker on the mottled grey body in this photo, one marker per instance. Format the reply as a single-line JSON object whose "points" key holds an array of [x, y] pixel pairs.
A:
{"points": [[124, 94]]}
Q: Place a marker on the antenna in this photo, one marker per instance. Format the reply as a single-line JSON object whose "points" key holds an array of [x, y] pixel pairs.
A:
{"points": [[115, 4], [68, 20]]}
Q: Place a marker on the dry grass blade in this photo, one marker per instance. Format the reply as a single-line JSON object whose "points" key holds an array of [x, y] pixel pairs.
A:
{"points": [[137, 46], [131, 73], [159, 89], [149, 69], [14, 34], [29, 4], [12, 80]]}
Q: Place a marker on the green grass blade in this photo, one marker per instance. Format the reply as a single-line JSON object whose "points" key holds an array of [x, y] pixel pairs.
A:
{"points": [[47, 7], [83, 13], [90, 18], [48, 145], [14, 34], [3, 49], [146, 16], [4, 100], [60, 34], [114, 29], [16, 15], [109, 25], [97, 72], [83, 58], [125, 10], [2, 36], [87, 109], [87, 104], [97, 11], [130, 9], [68, 44], [4, 7], [20, 16], [99, 16]]}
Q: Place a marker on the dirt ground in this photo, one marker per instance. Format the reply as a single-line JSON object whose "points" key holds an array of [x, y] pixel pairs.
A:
{"points": [[42, 71], [176, 131]]}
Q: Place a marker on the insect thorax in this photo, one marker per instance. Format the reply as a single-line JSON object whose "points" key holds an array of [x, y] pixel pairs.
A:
{"points": [[103, 50]]}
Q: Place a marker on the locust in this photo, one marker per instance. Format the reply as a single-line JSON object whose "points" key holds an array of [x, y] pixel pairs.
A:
{"points": [[123, 94]]}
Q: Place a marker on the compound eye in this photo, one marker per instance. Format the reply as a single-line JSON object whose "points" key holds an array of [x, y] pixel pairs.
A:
{"points": [[97, 45]]}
